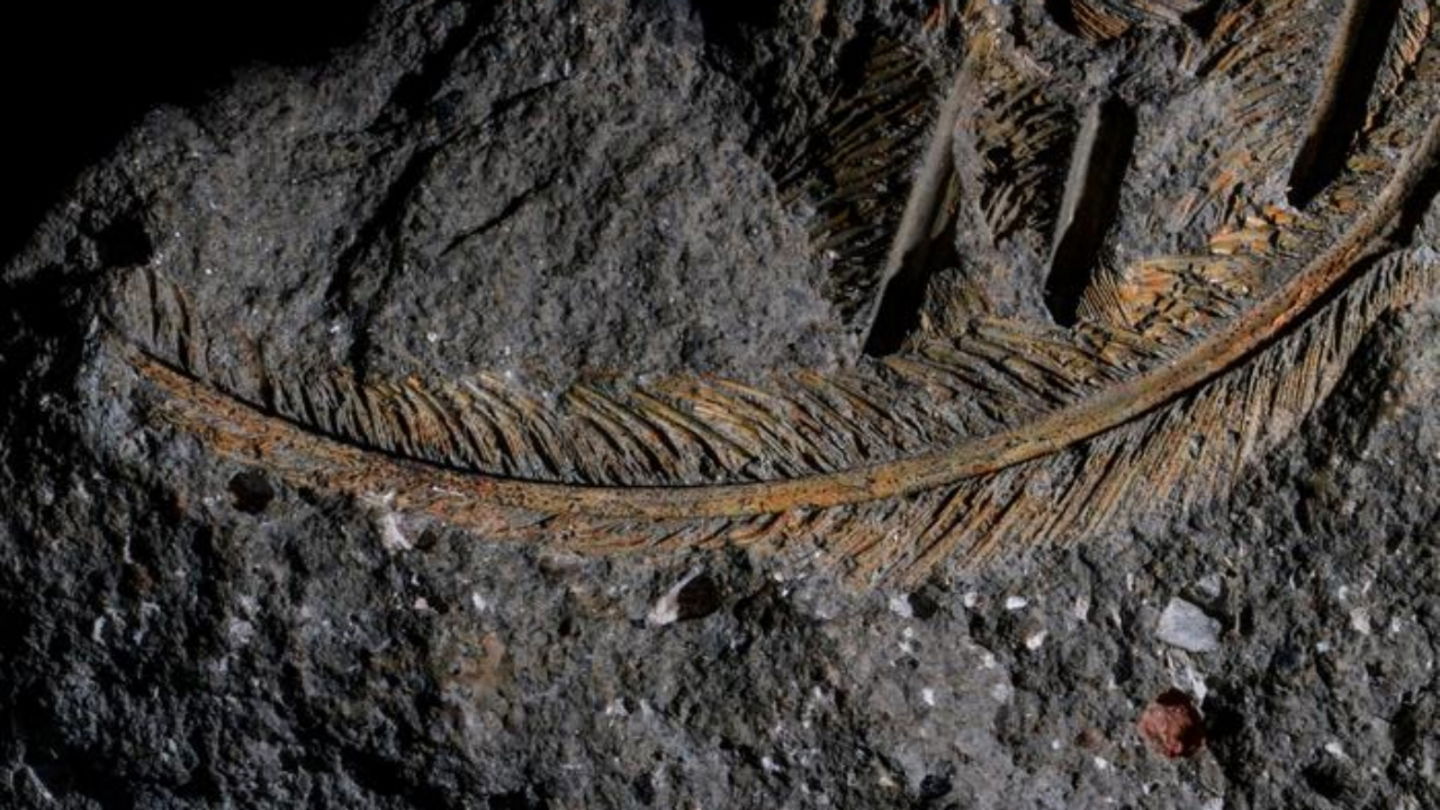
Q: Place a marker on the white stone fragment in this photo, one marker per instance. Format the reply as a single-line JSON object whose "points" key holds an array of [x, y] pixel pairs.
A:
{"points": [[1016, 602], [1035, 640], [900, 606], [1186, 678], [1186, 626], [387, 521], [1210, 585], [1360, 621], [239, 632], [391, 538]]}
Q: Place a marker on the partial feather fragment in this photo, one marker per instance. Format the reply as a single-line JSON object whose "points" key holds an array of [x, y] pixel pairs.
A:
{"points": [[1066, 473]]}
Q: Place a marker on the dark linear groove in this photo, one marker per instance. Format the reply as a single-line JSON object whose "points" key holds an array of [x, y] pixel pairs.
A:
{"points": [[909, 262], [1339, 112], [1087, 211], [898, 313], [511, 208], [340, 291]]}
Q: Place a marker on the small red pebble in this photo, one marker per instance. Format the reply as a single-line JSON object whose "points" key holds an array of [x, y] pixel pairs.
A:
{"points": [[1172, 725]]}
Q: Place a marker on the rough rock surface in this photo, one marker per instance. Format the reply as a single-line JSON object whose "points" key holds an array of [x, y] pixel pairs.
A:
{"points": [[179, 632]]}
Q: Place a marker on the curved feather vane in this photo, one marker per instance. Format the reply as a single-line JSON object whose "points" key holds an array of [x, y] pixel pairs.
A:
{"points": [[1180, 370]]}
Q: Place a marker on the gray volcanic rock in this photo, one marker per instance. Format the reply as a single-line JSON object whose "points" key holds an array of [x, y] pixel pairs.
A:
{"points": [[549, 188]]}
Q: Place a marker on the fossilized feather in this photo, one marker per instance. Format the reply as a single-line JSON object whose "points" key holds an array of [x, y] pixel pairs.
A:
{"points": [[1180, 371]]}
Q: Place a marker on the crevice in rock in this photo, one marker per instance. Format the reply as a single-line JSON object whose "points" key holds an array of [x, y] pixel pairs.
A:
{"points": [[1339, 113], [1088, 209]]}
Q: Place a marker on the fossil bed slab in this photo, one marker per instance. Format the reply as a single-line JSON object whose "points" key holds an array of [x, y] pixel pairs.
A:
{"points": [[544, 187]]}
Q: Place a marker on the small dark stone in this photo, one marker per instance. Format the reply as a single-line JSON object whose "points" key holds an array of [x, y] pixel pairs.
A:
{"points": [[1328, 778], [251, 491], [644, 789], [923, 605], [699, 598], [934, 786]]}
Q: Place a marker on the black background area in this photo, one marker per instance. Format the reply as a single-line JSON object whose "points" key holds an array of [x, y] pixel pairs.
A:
{"points": [[76, 75]]}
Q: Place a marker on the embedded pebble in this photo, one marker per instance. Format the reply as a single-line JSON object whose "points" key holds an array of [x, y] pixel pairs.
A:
{"points": [[693, 597], [1186, 626], [1360, 621], [1210, 586], [392, 539], [1171, 725]]}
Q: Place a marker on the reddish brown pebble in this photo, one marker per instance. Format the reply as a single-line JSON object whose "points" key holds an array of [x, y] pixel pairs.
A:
{"points": [[1172, 725]]}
